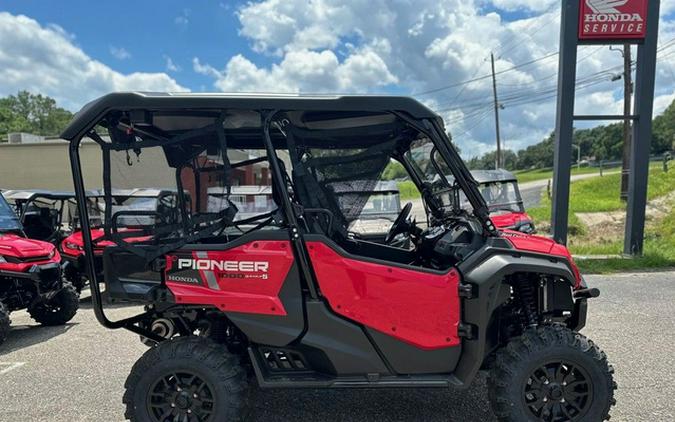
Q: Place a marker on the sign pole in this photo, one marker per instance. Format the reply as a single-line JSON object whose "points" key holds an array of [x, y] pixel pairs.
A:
{"points": [[564, 128], [642, 133]]}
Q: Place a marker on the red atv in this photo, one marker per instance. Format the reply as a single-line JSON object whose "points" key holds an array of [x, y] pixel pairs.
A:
{"points": [[30, 277], [291, 298], [500, 191], [140, 199]]}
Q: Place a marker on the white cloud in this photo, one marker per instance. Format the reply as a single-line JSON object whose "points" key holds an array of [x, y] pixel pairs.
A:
{"points": [[302, 71], [183, 19], [533, 5], [170, 65], [120, 53], [372, 45], [42, 59]]}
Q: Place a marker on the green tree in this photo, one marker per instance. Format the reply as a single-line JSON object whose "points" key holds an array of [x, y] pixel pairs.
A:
{"points": [[487, 161], [32, 113], [663, 131]]}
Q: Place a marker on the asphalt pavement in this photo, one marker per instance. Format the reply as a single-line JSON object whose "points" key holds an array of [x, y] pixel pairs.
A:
{"points": [[77, 372]]}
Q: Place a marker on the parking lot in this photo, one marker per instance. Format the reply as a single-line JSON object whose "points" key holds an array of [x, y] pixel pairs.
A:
{"points": [[77, 372]]}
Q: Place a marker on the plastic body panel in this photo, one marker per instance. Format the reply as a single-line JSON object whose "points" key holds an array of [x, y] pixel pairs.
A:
{"points": [[338, 347], [543, 245], [245, 278], [510, 220], [485, 271], [406, 359], [418, 307], [22, 254]]}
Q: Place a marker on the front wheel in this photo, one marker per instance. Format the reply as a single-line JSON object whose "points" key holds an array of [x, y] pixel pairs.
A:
{"points": [[551, 373], [187, 379], [59, 309]]}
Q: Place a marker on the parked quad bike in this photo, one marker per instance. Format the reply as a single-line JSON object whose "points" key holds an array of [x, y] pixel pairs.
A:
{"points": [[30, 277], [298, 300]]}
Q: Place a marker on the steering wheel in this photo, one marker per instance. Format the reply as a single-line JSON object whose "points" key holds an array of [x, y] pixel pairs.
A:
{"points": [[400, 224]]}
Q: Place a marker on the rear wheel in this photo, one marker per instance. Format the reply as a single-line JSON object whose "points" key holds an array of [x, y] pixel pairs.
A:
{"points": [[187, 379], [551, 373], [4, 322], [59, 309]]}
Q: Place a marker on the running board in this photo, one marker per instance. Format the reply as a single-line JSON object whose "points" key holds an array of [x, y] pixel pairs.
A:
{"points": [[311, 379]]}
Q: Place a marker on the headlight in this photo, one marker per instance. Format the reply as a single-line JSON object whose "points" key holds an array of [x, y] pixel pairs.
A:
{"points": [[52, 253], [2, 259]]}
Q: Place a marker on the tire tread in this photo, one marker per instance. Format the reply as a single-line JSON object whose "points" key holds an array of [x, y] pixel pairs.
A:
{"points": [[519, 350], [226, 367]]}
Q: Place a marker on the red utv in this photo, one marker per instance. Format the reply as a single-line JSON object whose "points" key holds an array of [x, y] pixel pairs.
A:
{"points": [[291, 298], [140, 199], [502, 195], [30, 276]]}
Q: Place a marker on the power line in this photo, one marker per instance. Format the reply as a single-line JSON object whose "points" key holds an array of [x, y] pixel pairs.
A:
{"points": [[518, 66]]}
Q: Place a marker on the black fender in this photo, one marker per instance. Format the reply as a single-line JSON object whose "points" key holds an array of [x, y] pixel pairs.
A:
{"points": [[485, 271]]}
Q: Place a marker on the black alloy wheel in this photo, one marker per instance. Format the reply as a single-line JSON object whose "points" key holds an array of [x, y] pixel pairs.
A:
{"points": [[552, 374], [558, 391], [181, 396], [188, 379]]}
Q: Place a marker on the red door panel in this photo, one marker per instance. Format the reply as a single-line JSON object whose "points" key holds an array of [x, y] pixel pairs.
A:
{"points": [[245, 278], [417, 307]]}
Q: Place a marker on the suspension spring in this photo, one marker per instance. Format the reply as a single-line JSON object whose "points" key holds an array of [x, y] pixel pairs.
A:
{"points": [[526, 295]]}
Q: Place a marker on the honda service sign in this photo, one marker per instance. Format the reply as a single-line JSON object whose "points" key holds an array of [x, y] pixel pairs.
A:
{"points": [[609, 20]]}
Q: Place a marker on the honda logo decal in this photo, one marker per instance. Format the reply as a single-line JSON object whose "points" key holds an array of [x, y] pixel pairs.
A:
{"points": [[607, 20]]}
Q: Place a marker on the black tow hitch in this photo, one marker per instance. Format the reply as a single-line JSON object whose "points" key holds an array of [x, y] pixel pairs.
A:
{"points": [[586, 293]]}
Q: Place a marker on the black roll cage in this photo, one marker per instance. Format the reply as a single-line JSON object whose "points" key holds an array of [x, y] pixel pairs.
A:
{"points": [[431, 128]]}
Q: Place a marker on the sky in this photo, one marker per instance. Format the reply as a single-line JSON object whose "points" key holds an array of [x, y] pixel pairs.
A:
{"points": [[78, 50]]}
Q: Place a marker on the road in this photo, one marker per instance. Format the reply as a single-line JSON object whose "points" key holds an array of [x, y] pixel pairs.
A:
{"points": [[77, 372]]}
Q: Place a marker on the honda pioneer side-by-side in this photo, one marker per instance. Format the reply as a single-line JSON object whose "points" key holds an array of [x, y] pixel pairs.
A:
{"points": [[45, 215], [161, 201], [292, 298], [502, 195], [30, 277]]}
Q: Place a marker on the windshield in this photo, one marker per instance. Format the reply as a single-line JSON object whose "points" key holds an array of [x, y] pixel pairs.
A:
{"points": [[135, 203], [248, 205], [431, 167], [8, 219], [501, 196]]}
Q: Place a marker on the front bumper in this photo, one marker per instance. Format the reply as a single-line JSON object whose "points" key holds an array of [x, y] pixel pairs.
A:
{"points": [[578, 319], [46, 277]]}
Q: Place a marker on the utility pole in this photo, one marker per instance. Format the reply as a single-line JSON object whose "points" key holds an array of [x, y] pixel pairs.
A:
{"points": [[627, 91], [498, 159]]}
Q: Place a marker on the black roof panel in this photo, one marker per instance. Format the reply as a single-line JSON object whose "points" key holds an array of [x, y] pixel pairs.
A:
{"points": [[94, 110]]}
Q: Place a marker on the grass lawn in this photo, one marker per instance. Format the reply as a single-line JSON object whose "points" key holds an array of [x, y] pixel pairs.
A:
{"points": [[408, 190], [601, 194]]}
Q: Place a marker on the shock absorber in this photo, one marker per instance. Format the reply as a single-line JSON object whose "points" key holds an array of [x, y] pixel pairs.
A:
{"points": [[526, 295]]}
